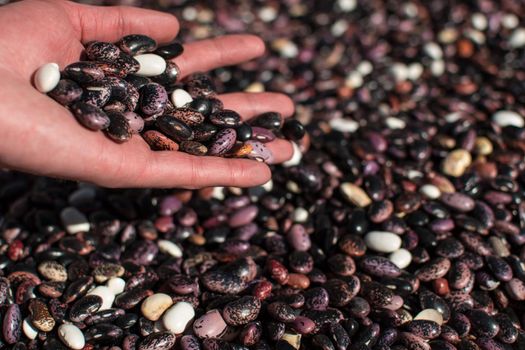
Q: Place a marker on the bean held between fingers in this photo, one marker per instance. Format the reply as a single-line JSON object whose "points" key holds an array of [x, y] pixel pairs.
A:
{"points": [[135, 76]]}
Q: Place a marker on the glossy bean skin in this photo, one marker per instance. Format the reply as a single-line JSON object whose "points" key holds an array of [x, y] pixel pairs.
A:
{"points": [[11, 325]]}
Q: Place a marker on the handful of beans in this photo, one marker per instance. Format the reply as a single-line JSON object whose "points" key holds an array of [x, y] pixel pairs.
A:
{"points": [[132, 87]]}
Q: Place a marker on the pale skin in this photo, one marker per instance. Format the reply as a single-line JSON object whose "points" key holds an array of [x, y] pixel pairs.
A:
{"points": [[39, 136]]}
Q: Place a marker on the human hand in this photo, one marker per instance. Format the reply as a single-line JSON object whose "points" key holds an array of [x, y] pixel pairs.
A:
{"points": [[40, 136]]}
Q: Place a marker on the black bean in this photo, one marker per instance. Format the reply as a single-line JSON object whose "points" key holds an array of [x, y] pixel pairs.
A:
{"points": [[136, 44], [170, 51]]}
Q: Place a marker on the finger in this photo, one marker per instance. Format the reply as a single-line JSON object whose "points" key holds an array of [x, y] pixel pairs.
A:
{"points": [[249, 105], [282, 150], [205, 55], [175, 169], [113, 22]]}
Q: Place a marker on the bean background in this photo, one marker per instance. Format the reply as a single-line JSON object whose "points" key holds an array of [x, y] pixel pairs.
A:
{"points": [[402, 227]]}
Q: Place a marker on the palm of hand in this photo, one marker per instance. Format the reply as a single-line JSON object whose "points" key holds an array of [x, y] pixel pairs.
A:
{"points": [[42, 137]]}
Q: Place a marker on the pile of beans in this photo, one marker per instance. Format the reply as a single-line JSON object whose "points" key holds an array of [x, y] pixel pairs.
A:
{"points": [[123, 89], [399, 224]]}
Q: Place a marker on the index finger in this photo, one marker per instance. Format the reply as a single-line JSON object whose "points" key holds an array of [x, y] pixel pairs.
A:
{"points": [[227, 50], [110, 23]]}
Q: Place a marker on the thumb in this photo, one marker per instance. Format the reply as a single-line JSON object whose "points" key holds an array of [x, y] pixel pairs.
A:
{"points": [[110, 23]]}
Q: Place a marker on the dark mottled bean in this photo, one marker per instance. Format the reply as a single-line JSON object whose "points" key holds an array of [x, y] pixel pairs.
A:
{"points": [[200, 85], [127, 320], [359, 307], [189, 116], [486, 281], [231, 278], [413, 342], [450, 248], [352, 245], [223, 141], [174, 128], [66, 92], [137, 81], [131, 298], [77, 288], [316, 298], [376, 294], [112, 69], [367, 336], [507, 331], [441, 345], [84, 72], [379, 266], [459, 275], [499, 268], [322, 342], [241, 311], [101, 51], [108, 315], [97, 96], [51, 289], [11, 324], [380, 211], [90, 116], [458, 201], [57, 309], [84, 306], [483, 324], [130, 342], [153, 98], [275, 330], [119, 129], [136, 123], [251, 333], [136, 44], [104, 334], [449, 334], [489, 344], [170, 76], [4, 289], [461, 323], [341, 265], [204, 132], [269, 120], [141, 252], [459, 300], [429, 300], [339, 335], [281, 312], [424, 329], [387, 337], [146, 327]]}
